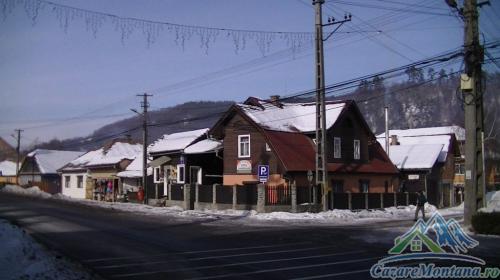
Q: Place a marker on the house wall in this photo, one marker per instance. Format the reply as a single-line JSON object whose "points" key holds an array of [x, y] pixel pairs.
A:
{"points": [[351, 182], [258, 154], [348, 128], [72, 190]]}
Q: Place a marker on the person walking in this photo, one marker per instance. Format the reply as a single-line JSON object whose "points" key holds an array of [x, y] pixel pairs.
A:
{"points": [[421, 200]]}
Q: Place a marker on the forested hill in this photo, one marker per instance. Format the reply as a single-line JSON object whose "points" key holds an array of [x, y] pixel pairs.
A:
{"points": [[413, 102]]}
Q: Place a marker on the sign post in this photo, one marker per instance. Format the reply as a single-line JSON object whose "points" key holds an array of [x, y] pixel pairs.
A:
{"points": [[263, 173]]}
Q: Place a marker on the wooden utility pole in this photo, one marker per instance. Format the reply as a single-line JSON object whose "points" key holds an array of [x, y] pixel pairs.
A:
{"points": [[471, 85], [321, 129], [145, 105], [18, 153]]}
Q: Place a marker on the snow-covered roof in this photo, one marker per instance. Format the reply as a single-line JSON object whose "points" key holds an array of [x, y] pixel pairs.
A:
{"points": [[443, 140], [429, 131], [176, 141], [7, 168], [291, 117], [117, 152], [49, 161], [422, 156], [134, 169], [203, 146]]}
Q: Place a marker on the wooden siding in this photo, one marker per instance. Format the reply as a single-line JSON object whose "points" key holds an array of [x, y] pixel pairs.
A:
{"points": [[348, 128], [258, 154]]}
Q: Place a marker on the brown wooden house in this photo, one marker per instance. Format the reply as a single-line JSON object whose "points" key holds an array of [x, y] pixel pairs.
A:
{"points": [[281, 135]]}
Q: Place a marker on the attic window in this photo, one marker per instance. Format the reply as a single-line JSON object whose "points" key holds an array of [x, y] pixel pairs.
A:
{"points": [[268, 149], [357, 150], [336, 147], [244, 146]]}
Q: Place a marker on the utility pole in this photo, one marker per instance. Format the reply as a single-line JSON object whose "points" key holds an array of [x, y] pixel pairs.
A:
{"points": [[18, 152], [471, 85], [321, 143], [386, 115], [145, 105]]}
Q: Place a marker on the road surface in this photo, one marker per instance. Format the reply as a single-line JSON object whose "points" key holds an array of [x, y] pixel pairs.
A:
{"points": [[119, 245]]}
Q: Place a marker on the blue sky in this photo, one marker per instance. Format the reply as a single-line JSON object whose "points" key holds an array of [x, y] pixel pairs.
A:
{"points": [[57, 82]]}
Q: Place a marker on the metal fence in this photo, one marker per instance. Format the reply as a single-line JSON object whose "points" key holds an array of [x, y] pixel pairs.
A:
{"points": [[278, 195]]}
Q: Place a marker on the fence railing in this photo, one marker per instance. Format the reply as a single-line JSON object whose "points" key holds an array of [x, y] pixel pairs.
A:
{"points": [[224, 194], [278, 195], [246, 194], [205, 193]]}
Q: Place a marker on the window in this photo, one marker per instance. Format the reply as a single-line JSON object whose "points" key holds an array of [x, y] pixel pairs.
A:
{"points": [[357, 152], [416, 245], [181, 174], [336, 147], [459, 168], [364, 186], [67, 181], [79, 180], [268, 149], [338, 186], [196, 175], [158, 174], [243, 146]]}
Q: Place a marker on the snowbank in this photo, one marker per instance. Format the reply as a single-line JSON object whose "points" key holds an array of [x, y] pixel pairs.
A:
{"points": [[336, 216], [22, 258], [492, 202]]}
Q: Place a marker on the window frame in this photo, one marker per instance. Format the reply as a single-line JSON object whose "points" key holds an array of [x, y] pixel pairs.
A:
{"points": [[337, 147], [67, 181], [357, 149], [179, 166], [361, 184], [79, 184], [157, 178], [239, 146]]}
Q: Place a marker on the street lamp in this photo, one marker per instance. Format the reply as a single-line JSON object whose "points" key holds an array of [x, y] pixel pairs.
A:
{"points": [[309, 179]]}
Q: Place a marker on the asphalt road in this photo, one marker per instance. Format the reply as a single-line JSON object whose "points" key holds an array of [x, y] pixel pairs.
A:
{"points": [[118, 245]]}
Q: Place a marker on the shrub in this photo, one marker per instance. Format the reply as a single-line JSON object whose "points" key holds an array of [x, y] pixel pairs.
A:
{"points": [[486, 223]]}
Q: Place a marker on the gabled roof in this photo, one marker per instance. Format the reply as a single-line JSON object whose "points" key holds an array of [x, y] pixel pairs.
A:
{"points": [[204, 146], [110, 156], [456, 130], [49, 161], [176, 141], [296, 152], [289, 117], [134, 169]]}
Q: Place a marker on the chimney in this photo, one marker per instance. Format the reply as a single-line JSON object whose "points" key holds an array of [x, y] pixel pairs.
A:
{"points": [[394, 140], [274, 99]]}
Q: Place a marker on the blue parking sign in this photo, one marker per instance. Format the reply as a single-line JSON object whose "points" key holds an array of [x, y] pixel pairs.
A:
{"points": [[263, 173]]}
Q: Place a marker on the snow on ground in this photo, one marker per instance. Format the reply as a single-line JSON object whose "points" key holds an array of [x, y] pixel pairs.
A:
{"points": [[492, 202], [337, 216], [22, 258]]}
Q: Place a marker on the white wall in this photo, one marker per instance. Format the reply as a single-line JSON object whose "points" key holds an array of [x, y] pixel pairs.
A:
{"points": [[73, 190]]}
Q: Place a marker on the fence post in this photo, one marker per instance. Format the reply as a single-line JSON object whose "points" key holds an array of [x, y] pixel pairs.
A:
{"points": [[187, 197], [407, 198], [261, 198], [366, 200], [214, 196], [196, 195], [234, 197], [169, 191], [315, 194], [349, 200], [382, 200], [294, 197], [395, 200]]}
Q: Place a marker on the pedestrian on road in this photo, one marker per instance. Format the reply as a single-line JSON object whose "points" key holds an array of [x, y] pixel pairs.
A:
{"points": [[421, 200]]}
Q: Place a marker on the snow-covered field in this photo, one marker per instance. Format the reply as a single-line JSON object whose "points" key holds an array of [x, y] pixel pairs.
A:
{"points": [[332, 217], [22, 258]]}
